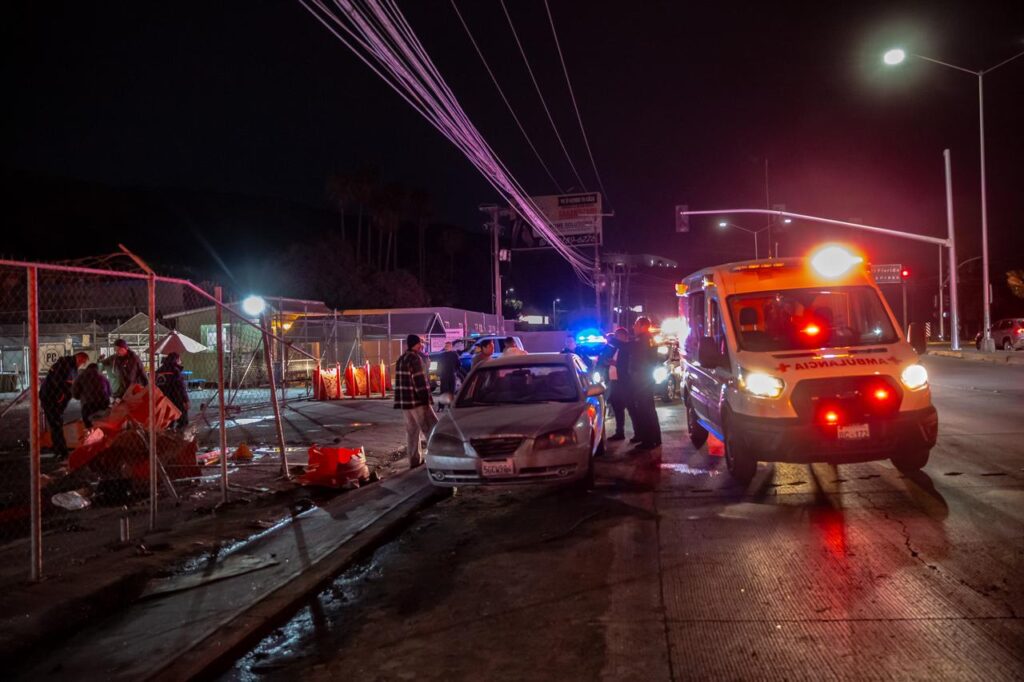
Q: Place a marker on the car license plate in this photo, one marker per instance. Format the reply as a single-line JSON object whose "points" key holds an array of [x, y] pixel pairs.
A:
{"points": [[854, 432], [497, 468]]}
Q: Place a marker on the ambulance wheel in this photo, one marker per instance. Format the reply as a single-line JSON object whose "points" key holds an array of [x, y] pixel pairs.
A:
{"points": [[911, 460], [738, 461], [698, 434]]}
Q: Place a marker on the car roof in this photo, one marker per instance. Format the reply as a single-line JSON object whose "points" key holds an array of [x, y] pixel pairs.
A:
{"points": [[530, 359]]}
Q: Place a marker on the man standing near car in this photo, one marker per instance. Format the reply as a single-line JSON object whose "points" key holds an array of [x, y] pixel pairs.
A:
{"points": [[643, 359], [412, 396], [613, 364], [486, 351]]}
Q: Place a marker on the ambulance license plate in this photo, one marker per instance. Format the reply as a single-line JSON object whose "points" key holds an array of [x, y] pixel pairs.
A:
{"points": [[854, 432], [497, 468]]}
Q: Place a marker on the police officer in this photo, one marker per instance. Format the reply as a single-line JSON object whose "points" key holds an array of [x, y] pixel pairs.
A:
{"points": [[55, 394], [643, 360]]}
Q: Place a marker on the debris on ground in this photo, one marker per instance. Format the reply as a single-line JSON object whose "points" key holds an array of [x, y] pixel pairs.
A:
{"points": [[72, 500], [335, 467], [242, 454]]}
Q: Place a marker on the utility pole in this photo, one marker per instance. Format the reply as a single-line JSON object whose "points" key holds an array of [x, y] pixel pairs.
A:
{"points": [[492, 211]]}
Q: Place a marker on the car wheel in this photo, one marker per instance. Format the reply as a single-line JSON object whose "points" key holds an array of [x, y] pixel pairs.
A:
{"points": [[911, 460], [1007, 343], [741, 465], [698, 434]]}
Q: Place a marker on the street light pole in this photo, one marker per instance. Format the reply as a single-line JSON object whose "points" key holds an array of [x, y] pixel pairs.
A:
{"points": [[896, 56], [724, 224], [554, 312]]}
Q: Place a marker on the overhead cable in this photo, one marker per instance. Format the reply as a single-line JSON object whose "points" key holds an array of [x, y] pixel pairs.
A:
{"points": [[575, 107], [543, 102]]}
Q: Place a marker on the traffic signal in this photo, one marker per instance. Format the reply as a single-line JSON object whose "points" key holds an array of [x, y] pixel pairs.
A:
{"points": [[905, 274], [682, 219]]}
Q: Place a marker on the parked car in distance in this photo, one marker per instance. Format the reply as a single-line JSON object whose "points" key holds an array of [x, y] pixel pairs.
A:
{"points": [[499, 348], [520, 419], [1008, 334]]}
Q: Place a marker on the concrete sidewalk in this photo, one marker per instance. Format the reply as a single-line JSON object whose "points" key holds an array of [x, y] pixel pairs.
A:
{"points": [[972, 354], [181, 634], [88, 574]]}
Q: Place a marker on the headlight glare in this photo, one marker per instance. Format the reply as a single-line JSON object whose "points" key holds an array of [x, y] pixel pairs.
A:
{"points": [[555, 439], [660, 374], [914, 376], [762, 385]]}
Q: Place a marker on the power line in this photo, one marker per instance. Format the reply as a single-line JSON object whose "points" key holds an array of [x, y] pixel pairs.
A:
{"points": [[505, 99], [541, 96], [572, 95]]}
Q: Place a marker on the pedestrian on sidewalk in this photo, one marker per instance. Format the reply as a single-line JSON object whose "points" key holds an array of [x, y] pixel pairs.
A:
{"points": [[412, 396], [171, 382], [92, 390], [55, 394], [613, 363], [643, 360], [486, 351], [127, 368], [447, 372]]}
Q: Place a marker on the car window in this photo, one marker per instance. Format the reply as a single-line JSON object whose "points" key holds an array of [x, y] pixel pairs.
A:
{"points": [[520, 385]]}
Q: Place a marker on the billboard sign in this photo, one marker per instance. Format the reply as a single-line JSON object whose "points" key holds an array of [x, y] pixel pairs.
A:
{"points": [[576, 218], [889, 273]]}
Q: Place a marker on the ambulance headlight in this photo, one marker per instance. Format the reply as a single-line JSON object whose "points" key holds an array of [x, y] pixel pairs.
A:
{"points": [[762, 385], [660, 374], [914, 377]]}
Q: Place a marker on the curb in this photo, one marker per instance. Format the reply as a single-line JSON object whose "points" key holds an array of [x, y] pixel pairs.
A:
{"points": [[234, 638], [997, 358]]}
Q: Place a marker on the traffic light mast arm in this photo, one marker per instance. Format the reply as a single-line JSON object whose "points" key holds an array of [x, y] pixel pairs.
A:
{"points": [[828, 221]]}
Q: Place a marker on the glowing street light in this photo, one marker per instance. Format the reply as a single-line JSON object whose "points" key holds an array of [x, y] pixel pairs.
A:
{"points": [[894, 57], [253, 306]]}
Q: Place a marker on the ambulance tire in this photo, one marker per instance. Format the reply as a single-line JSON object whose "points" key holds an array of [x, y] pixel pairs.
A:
{"points": [[698, 434], [910, 461], [741, 465]]}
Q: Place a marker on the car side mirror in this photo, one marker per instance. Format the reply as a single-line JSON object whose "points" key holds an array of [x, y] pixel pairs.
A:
{"points": [[916, 337], [595, 390], [708, 354]]}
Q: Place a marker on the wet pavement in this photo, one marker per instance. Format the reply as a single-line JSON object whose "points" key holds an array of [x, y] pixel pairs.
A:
{"points": [[670, 570]]}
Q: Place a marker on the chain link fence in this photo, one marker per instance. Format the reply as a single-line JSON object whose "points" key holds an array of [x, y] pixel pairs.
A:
{"points": [[123, 394]]}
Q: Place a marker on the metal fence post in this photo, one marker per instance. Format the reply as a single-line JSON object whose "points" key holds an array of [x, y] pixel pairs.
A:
{"points": [[35, 496], [273, 397], [223, 427], [153, 488]]}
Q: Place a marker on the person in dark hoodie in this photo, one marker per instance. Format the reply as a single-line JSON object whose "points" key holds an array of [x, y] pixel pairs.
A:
{"points": [[171, 383], [55, 394], [91, 389], [127, 368]]}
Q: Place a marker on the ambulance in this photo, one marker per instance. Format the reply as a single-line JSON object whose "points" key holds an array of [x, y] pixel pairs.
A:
{"points": [[801, 360]]}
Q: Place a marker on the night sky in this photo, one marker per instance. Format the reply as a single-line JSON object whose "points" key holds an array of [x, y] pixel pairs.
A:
{"points": [[682, 102]]}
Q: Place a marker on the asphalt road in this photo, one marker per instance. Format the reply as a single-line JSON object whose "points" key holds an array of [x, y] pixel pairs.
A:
{"points": [[671, 571]]}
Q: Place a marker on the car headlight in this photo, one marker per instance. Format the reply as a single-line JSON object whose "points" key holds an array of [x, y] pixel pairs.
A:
{"points": [[555, 439], [595, 378], [914, 376], [445, 444], [660, 374], [662, 350], [762, 385]]}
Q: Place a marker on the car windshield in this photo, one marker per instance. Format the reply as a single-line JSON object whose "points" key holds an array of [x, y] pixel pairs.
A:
{"points": [[518, 385], [797, 319]]}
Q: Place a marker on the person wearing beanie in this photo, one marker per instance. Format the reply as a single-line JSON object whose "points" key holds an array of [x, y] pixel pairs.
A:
{"points": [[412, 396], [127, 368]]}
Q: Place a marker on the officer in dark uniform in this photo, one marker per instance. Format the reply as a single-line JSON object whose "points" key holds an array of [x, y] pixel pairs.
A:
{"points": [[55, 394], [643, 359]]}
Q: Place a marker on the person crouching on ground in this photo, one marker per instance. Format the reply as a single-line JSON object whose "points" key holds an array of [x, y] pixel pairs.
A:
{"points": [[127, 368], [55, 394], [171, 381], [92, 390], [412, 396]]}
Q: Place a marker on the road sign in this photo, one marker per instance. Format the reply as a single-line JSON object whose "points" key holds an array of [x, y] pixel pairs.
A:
{"points": [[576, 218], [889, 273]]}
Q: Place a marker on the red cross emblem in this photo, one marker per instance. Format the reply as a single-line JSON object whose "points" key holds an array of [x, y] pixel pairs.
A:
{"points": [[782, 367]]}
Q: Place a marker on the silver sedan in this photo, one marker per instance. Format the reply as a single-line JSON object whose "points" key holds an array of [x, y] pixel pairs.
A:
{"points": [[524, 419]]}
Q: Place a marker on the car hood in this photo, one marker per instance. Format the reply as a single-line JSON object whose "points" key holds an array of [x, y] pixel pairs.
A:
{"points": [[528, 420]]}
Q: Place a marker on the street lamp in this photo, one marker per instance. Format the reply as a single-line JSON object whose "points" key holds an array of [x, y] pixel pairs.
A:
{"points": [[896, 56], [724, 224], [253, 306], [554, 312]]}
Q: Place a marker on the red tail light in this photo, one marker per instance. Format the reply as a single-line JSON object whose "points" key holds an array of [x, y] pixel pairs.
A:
{"points": [[831, 417], [881, 394]]}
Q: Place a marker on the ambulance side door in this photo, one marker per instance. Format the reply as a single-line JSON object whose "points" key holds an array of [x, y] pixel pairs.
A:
{"points": [[699, 382]]}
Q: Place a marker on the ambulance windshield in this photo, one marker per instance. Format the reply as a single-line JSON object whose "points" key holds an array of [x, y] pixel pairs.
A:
{"points": [[796, 319]]}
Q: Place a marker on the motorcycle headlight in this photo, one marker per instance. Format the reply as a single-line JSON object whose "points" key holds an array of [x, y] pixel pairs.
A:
{"points": [[914, 377], [660, 374], [555, 439], [445, 444], [762, 385]]}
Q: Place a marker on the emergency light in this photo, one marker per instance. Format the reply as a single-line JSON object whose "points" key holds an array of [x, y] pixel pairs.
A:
{"points": [[833, 261]]}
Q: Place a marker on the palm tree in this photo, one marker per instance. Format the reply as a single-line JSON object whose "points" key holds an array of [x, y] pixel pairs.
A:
{"points": [[420, 209], [452, 241], [364, 186], [340, 194]]}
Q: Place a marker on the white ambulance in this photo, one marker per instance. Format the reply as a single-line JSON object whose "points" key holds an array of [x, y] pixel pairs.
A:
{"points": [[801, 360]]}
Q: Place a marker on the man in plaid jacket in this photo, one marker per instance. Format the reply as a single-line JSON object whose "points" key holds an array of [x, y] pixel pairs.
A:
{"points": [[412, 396]]}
